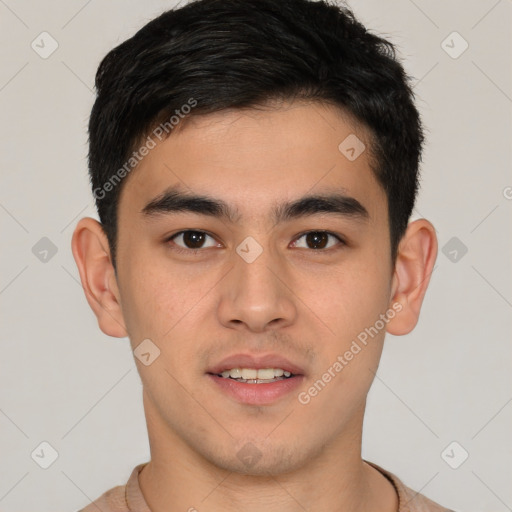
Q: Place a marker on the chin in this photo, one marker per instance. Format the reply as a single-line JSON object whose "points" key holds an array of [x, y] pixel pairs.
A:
{"points": [[260, 458]]}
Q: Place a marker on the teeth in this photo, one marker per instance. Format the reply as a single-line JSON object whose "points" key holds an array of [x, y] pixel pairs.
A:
{"points": [[267, 373], [254, 374], [249, 373]]}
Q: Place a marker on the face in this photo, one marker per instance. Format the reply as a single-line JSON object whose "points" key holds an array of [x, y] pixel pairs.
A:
{"points": [[302, 287]]}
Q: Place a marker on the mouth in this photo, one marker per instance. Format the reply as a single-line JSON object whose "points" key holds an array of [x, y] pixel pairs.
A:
{"points": [[256, 376], [256, 380]]}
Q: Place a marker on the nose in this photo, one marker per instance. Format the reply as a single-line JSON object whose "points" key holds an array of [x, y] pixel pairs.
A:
{"points": [[257, 296]]}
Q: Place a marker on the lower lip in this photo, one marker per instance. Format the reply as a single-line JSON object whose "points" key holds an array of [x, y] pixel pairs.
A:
{"points": [[257, 394]]}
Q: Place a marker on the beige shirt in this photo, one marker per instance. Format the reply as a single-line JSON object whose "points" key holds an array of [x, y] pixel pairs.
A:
{"points": [[129, 498]]}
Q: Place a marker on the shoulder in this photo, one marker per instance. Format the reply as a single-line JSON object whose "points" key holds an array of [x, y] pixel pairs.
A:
{"points": [[412, 501], [114, 500], [123, 498], [409, 500]]}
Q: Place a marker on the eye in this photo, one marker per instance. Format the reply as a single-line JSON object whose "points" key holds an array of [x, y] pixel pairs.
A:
{"points": [[191, 240], [318, 239]]}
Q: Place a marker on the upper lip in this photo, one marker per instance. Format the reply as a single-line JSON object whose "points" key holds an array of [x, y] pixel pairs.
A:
{"points": [[256, 361]]}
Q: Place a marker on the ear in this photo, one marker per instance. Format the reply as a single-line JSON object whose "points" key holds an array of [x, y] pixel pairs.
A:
{"points": [[417, 253], [92, 256]]}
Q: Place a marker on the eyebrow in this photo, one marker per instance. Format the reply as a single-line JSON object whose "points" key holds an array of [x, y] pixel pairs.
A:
{"points": [[175, 200]]}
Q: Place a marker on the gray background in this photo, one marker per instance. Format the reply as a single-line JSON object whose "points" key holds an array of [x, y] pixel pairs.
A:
{"points": [[66, 383]]}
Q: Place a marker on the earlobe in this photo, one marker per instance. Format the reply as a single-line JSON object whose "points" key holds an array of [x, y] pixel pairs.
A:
{"points": [[414, 264], [92, 256]]}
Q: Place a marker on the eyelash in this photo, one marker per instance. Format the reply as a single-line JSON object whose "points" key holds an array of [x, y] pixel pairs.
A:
{"points": [[194, 252]]}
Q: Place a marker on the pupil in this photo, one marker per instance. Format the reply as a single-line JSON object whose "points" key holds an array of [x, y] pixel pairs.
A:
{"points": [[193, 239], [317, 238]]}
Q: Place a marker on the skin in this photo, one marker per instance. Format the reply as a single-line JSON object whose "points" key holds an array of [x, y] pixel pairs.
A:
{"points": [[304, 303]]}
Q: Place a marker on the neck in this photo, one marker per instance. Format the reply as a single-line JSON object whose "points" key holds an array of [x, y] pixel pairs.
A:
{"points": [[335, 479]]}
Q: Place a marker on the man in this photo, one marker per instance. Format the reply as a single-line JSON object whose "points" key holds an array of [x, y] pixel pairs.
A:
{"points": [[255, 165]]}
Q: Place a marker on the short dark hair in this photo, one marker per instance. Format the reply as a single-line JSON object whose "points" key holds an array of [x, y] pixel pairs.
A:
{"points": [[234, 54]]}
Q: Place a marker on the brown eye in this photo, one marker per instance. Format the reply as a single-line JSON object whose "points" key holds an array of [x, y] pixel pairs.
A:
{"points": [[192, 239], [318, 240]]}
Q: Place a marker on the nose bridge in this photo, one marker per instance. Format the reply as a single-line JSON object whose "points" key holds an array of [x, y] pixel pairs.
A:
{"points": [[254, 269], [254, 293]]}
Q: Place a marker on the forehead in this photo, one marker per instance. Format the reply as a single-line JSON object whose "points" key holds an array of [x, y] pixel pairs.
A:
{"points": [[254, 158]]}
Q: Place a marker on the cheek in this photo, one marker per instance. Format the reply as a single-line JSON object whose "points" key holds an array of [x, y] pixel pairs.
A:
{"points": [[150, 300], [345, 299], [349, 355], [162, 301]]}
